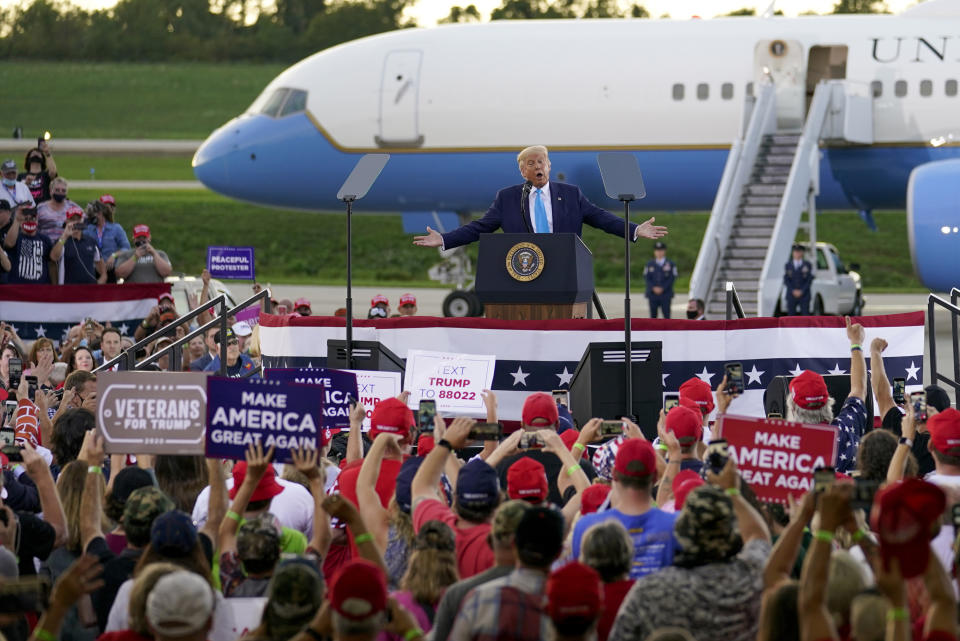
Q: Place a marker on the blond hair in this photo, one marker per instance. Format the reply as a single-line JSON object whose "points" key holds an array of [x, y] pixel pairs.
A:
{"points": [[535, 149], [59, 180], [70, 490]]}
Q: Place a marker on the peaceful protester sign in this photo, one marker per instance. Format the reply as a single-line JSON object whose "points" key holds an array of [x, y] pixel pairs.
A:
{"points": [[242, 412], [776, 457]]}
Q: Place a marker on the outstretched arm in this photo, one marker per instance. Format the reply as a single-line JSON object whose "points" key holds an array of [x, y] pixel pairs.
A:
{"points": [[878, 377], [858, 366]]}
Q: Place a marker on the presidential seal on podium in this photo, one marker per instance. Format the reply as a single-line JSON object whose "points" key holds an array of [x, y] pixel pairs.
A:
{"points": [[525, 262]]}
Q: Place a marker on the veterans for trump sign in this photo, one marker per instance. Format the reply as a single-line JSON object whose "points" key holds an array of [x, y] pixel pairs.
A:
{"points": [[241, 412], [776, 457], [152, 412], [454, 381]]}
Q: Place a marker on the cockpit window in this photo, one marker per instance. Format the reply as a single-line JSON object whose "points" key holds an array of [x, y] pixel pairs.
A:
{"points": [[296, 102], [272, 106]]}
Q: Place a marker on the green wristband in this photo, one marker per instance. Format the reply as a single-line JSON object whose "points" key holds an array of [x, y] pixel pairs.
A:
{"points": [[898, 614], [94, 469], [366, 537], [233, 515], [662, 447], [732, 491], [580, 447], [824, 535], [859, 535], [412, 633], [573, 469], [43, 635]]}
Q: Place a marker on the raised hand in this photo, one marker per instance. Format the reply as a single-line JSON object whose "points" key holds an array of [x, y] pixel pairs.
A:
{"points": [[91, 451], [648, 230], [854, 332], [80, 578], [432, 239], [257, 462], [305, 460]]}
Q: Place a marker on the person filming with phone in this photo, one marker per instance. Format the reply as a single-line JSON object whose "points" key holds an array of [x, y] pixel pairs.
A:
{"points": [[81, 263], [144, 263]]}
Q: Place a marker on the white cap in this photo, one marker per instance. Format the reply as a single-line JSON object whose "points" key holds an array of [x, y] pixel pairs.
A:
{"points": [[242, 328], [180, 603]]}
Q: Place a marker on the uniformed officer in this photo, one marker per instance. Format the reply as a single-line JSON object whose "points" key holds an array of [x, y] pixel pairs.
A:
{"points": [[660, 274], [797, 277]]}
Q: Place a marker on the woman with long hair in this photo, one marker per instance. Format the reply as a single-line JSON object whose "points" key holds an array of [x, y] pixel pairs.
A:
{"points": [[432, 568], [42, 357]]}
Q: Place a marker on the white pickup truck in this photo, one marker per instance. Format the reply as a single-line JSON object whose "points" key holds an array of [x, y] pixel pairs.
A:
{"points": [[835, 289]]}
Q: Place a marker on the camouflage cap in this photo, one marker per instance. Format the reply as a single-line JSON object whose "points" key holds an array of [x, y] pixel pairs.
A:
{"points": [[143, 506], [507, 516], [293, 597], [259, 538], [706, 528]]}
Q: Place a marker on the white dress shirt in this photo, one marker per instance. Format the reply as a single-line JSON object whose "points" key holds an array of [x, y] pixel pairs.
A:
{"points": [[532, 203]]}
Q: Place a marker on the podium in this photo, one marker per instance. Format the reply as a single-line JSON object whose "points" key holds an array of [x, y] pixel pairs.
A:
{"points": [[534, 276]]}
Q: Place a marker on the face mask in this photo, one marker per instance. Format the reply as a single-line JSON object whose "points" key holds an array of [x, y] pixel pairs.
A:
{"points": [[59, 197], [29, 226], [692, 315], [10, 182]]}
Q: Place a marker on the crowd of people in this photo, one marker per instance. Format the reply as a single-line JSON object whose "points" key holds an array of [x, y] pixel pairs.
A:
{"points": [[49, 239], [552, 532]]}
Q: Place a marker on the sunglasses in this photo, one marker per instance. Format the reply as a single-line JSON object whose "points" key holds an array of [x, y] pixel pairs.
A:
{"points": [[233, 341]]}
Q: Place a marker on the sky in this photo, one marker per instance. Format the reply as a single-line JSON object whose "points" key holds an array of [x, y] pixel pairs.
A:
{"points": [[428, 12]]}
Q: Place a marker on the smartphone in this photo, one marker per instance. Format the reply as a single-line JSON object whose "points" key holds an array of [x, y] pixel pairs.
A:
{"points": [[486, 432], [32, 387], [670, 401], [899, 386], [425, 416], [611, 428], [9, 411], [24, 594], [718, 453], [918, 400], [16, 371], [7, 436], [561, 397], [956, 516], [530, 441], [14, 453], [823, 478], [734, 372], [774, 415]]}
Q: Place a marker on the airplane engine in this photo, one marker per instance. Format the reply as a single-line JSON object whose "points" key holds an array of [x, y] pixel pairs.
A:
{"points": [[933, 223]]}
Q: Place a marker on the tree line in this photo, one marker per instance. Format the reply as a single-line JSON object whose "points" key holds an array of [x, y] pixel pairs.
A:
{"points": [[254, 30]]}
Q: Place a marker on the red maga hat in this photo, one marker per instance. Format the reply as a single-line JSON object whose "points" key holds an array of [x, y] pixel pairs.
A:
{"points": [[809, 390], [540, 407], [527, 480], [699, 392]]}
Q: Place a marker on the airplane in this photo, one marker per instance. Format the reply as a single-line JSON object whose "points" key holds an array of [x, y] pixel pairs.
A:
{"points": [[454, 104]]}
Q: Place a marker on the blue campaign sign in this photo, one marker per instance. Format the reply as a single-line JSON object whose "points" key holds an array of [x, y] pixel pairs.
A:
{"points": [[231, 262], [338, 387], [242, 411]]}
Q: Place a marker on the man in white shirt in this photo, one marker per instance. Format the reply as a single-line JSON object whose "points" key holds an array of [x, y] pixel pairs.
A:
{"points": [[12, 190]]}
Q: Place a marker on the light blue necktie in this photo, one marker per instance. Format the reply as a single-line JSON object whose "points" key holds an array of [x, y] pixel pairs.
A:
{"points": [[540, 215]]}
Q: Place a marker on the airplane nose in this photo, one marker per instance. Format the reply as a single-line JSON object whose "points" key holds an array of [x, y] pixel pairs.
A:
{"points": [[210, 160]]}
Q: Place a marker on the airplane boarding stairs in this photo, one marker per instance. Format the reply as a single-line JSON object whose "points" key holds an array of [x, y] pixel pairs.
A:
{"points": [[771, 177]]}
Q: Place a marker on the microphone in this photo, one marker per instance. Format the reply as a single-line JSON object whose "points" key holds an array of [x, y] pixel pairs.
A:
{"points": [[524, 205]]}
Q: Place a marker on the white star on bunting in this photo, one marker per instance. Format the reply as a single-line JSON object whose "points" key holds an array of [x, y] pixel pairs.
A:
{"points": [[836, 370], [912, 371], [754, 375], [705, 376], [797, 371], [41, 331], [123, 329], [519, 376], [564, 377]]}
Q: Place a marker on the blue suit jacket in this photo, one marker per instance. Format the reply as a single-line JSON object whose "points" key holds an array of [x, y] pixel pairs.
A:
{"points": [[571, 210]]}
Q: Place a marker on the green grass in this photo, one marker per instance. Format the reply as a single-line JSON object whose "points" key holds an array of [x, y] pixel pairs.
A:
{"points": [[128, 100], [124, 167], [300, 247]]}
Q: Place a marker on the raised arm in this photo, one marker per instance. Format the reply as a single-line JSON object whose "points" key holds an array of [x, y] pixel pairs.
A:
{"points": [[217, 505], [878, 377], [257, 464], [342, 509], [858, 366], [81, 578], [751, 524], [371, 510], [815, 620], [674, 455], [898, 464], [490, 402], [784, 554], [305, 460], [49, 499], [427, 479], [355, 437], [91, 453], [942, 613]]}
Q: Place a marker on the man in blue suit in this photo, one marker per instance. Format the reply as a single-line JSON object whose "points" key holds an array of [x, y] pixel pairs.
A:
{"points": [[545, 207], [797, 277]]}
